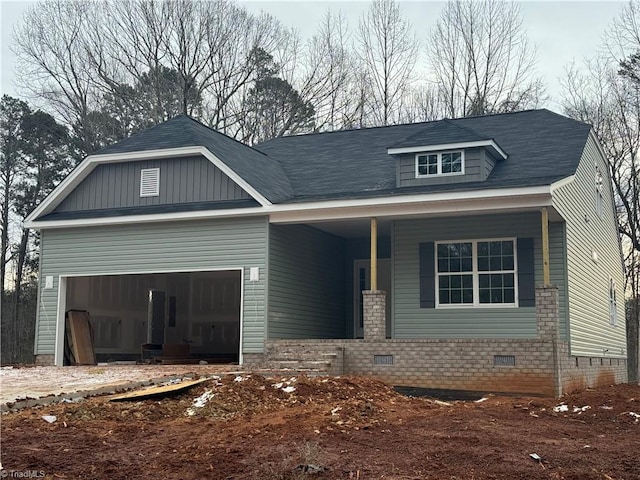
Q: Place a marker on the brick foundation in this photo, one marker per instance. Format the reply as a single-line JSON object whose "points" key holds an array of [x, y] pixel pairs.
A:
{"points": [[540, 365], [45, 360]]}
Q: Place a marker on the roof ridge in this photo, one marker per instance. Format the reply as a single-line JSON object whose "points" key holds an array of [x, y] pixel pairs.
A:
{"points": [[463, 127]]}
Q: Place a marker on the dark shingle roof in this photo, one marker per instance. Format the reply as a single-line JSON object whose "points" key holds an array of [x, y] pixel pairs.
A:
{"points": [[440, 133], [543, 147], [262, 172]]}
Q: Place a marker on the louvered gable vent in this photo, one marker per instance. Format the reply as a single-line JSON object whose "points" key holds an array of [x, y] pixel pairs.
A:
{"points": [[150, 182]]}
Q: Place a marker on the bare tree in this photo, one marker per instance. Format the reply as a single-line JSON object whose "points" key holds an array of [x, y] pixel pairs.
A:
{"points": [[482, 60], [388, 51]]}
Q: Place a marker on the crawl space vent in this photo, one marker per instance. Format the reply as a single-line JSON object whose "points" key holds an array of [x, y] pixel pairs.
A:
{"points": [[383, 359], [149, 182], [504, 360]]}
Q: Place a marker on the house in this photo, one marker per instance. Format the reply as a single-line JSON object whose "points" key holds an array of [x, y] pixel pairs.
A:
{"points": [[477, 253]]}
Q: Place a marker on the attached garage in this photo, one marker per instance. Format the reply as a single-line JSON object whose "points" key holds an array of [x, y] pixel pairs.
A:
{"points": [[198, 311]]}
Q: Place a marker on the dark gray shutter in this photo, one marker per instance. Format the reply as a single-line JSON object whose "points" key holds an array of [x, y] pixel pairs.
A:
{"points": [[526, 273], [427, 276]]}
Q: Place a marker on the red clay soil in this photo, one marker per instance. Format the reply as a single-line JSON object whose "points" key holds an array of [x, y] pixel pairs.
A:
{"points": [[349, 427]]}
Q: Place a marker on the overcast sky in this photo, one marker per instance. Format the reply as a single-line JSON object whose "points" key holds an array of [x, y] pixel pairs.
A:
{"points": [[562, 31]]}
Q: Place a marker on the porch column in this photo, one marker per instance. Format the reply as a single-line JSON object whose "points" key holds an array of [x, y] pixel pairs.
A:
{"points": [[374, 253], [374, 312], [545, 247]]}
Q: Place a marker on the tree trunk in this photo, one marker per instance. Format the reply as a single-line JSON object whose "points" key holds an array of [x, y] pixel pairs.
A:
{"points": [[22, 256]]}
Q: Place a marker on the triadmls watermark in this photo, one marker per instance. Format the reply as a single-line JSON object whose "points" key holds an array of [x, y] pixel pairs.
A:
{"points": [[22, 473]]}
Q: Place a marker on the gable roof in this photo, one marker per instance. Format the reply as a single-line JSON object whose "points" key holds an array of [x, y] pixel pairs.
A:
{"points": [[442, 132], [262, 172], [543, 147]]}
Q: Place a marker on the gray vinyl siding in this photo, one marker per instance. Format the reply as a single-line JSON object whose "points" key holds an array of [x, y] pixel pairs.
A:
{"points": [[306, 283], [157, 247], [182, 180], [588, 281], [411, 321], [475, 169]]}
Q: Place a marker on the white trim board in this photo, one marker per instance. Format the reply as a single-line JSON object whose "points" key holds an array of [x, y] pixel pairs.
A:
{"points": [[448, 146], [92, 161], [490, 200]]}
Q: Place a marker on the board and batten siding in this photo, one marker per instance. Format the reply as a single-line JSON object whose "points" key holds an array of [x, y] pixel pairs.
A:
{"points": [[156, 247], [306, 283], [182, 180], [588, 280], [477, 166], [412, 321]]}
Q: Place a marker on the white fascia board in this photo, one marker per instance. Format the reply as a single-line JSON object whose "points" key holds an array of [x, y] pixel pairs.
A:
{"points": [[562, 182], [148, 218], [424, 204], [448, 146], [92, 161], [448, 202]]}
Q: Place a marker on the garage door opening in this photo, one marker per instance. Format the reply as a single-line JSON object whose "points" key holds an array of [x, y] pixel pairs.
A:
{"points": [[194, 315]]}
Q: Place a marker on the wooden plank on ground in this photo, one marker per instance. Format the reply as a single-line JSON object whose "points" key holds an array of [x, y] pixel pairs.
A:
{"points": [[157, 391], [81, 338]]}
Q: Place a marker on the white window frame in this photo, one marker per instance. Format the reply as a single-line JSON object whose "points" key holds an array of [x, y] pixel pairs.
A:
{"points": [[439, 155], [613, 303], [156, 175], [475, 273]]}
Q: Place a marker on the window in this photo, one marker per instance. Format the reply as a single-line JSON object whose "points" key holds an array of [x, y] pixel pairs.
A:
{"points": [[149, 182], [613, 303], [447, 163], [475, 273], [599, 189]]}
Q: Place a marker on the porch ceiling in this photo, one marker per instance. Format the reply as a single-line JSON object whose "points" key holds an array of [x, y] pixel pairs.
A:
{"points": [[355, 228]]}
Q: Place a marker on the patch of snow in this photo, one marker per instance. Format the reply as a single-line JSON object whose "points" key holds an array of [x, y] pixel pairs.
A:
{"points": [[635, 415], [200, 402], [561, 408], [240, 378], [334, 411], [483, 399], [289, 389], [581, 409], [605, 407], [277, 385], [49, 418]]}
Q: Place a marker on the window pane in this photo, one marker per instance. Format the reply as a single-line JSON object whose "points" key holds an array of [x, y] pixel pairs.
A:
{"points": [[467, 296], [444, 296], [507, 263], [495, 263], [456, 281], [454, 265], [443, 250], [496, 281], [446, 163], [496, 296], [483, 249], [467, 282], [508, 279], [484, 281], [509, 295], [495, 248], [443, 265], [507, 248], [483, 264], [456, 165], [485, 295], [467, 264], [456, 296], [444, 281]]}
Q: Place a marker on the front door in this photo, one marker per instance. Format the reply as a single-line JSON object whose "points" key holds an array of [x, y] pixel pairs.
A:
{"points": [[362, 281]]}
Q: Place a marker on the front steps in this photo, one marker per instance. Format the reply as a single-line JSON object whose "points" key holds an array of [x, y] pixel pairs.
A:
{"points": [[301, 357]]}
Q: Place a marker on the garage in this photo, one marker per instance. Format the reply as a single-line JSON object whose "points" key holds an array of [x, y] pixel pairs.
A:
{"points": [[174, 317]]}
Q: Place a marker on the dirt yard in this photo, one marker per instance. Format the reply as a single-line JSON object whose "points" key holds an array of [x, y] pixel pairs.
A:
{"points": [[251, 427]]}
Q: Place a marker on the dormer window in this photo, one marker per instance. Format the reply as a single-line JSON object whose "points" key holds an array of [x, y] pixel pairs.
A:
{"points": [[440, 163]]}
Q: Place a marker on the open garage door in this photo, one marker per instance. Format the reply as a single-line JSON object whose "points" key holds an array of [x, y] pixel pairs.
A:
{"points": [[193, 315]]}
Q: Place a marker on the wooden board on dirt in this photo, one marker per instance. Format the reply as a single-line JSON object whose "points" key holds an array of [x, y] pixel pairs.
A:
{"points": [[81, 339], [157, 391]]}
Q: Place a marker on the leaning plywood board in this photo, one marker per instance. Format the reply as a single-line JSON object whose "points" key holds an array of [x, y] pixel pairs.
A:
{"points": [[81, 337], [157, 391]]}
